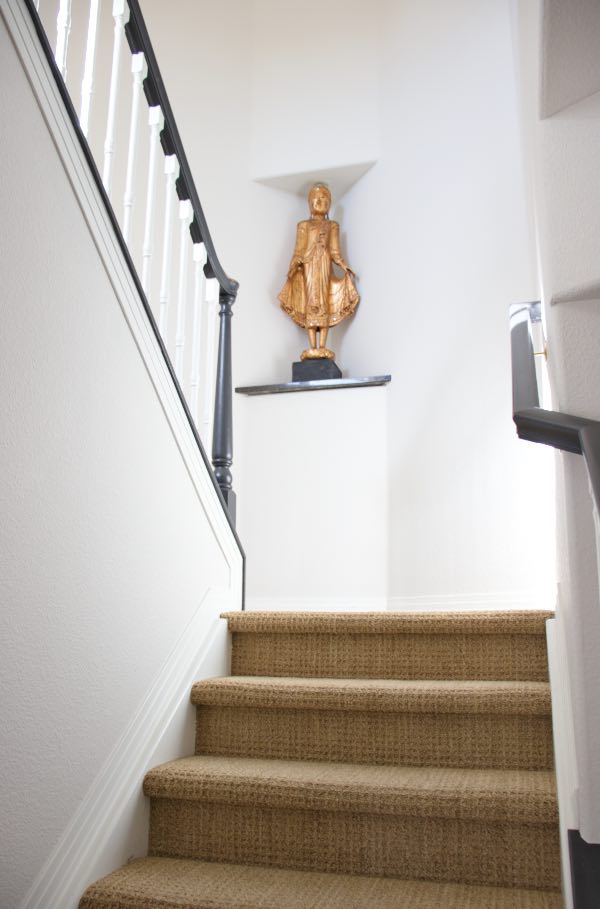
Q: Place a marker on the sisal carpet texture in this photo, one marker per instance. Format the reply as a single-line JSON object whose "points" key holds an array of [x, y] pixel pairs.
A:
{"points": [[162, 883], [360, 760], [493, 645], [448, 724]]}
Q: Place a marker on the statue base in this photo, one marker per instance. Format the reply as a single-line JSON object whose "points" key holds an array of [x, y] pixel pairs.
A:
{"points": [[317, 353], [315, 370]]}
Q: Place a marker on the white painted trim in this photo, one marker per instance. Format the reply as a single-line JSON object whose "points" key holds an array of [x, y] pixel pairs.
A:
{"points": [[22, 31], [316, 604], [564, 747], [470, 602], [92, 830], [65, 874], [467, 602]]}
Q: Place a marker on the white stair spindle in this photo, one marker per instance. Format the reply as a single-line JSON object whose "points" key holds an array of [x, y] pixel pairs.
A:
{"points": [[118, 12], [138, 72], [210, 360], [63, 30], [87, 83], [199, 256], [155, 123], [171, 174], [185, 242]]}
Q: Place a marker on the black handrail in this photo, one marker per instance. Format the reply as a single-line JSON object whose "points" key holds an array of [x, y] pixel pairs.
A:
{"points": [[213, 270], [564, 431], [156, 94]]}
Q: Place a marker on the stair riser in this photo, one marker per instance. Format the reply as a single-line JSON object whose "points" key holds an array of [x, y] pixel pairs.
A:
{"points": [[439, 849], [443, 740], [388, 656]]}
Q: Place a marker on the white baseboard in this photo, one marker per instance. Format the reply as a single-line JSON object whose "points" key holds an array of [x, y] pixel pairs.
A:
{"points": [[110, 825], [474, 602], [316, 604], [564, 746]]}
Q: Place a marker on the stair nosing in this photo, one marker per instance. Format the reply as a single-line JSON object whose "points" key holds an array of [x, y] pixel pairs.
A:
{"points": [[492, 622], [385, 695], [358, 888], [509, 796]]}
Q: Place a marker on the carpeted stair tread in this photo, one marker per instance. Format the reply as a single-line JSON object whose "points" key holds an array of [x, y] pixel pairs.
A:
{"points": [[467, 645], [496, 622], [167, 883], [353, 760], [391, 656], [383, 695], [503, 795]]}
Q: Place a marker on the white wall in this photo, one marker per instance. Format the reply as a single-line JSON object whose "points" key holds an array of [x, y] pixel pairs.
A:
{"points": [[564, 149], [315, 475], [314, 86], [115, 559], [107, 557], [570, 61], [218, 103], [439, 233]]}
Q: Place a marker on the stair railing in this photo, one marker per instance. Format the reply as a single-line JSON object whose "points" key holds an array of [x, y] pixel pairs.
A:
{"points": [[204, 294], [578, 436], [549, 427]]}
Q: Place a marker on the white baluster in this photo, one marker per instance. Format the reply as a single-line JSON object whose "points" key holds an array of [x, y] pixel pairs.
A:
{"points": [[199, 256], [37, 4], [87, 83], [138, 71], [118, 12], [210, 360], [155, 122], [185, 242], [171, 174], [63, 30]]}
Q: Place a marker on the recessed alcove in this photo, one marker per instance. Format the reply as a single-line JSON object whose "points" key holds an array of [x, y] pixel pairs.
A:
{"points": [[340, 178]]}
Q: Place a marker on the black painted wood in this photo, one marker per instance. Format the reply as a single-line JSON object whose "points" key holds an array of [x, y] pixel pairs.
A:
{"points": [[133, 35], [585, 871], [315, 370], [525, 390], [156, 93], [154, 88], [222, 448], [313, 385], [589, 437], [560, 430], [548, 427]]}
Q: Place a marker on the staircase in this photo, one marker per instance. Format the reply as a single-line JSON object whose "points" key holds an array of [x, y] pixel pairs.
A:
{"points": [[354, 760]]}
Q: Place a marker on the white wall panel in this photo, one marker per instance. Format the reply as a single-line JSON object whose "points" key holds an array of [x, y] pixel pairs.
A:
{"points": [[110, 546]]}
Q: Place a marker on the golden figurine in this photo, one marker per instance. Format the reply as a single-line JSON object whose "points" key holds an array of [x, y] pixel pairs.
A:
{"points": [[313, 295]]}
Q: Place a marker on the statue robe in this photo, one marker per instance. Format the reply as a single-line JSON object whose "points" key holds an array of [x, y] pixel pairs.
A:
{"points": [[314, 297]]}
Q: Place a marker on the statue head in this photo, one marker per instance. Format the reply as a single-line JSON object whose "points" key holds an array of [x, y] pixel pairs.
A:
{"points": [[319, 200]]}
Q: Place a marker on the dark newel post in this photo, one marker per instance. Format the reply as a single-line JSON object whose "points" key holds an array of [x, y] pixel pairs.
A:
{"points": [[222, 449]]}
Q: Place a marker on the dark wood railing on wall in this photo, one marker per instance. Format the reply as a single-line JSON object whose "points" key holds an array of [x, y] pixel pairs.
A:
{"points": [[128, 20], [578, 436], [549, 427], [156, 95]]}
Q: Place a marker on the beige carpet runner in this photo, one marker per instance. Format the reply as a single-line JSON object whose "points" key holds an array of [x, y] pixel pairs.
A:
{"points": [[400, 761]]}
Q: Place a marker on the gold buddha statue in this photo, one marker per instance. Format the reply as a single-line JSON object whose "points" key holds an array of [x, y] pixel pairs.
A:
{"points": [[313, 295]]}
